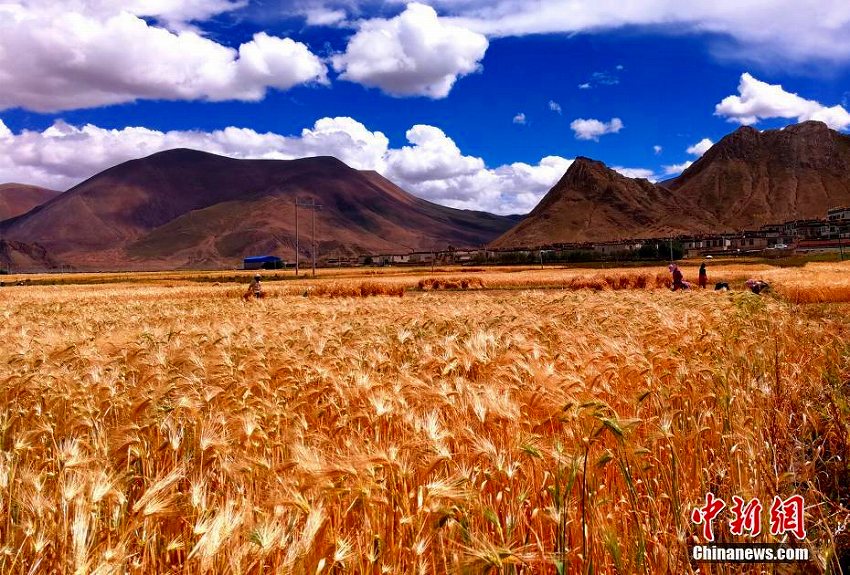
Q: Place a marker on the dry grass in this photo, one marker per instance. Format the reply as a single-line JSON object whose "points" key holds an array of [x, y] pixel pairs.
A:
{"points": [[822, 283], [363, 289], [462, 283], [178, 429], [552, 280]]}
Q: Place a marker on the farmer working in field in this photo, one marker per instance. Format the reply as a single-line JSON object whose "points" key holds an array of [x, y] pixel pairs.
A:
{"points": [[254, 289], [703, 276], [678, 282], [757, 286]]}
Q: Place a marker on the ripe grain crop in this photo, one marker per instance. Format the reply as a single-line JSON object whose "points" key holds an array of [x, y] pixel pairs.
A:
{"points": [[452, 283], [353, 289], [153, 429]]}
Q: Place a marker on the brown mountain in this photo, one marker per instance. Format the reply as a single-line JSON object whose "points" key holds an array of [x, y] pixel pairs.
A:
{"points": [[592, 202], [750, 178], [189, 208], [16, 256], [17, 199]]}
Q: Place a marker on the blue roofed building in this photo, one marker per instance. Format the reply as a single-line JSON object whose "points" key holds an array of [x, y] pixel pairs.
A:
{"points": [[262, 263]]}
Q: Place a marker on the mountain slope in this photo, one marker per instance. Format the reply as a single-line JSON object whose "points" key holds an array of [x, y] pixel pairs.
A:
{"points": [[17, 199], [24, 257], [591, 202], [184, 207], [750, 178], [360, 213]]}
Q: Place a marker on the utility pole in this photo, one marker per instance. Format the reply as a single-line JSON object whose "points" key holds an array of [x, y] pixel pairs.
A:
{"points": [[312, 206], [296, 237], [425, 242], [313, 234]]}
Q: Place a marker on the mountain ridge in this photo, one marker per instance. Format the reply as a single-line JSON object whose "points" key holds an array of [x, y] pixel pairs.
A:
{"points": [[747, 179], [185, 208], [751, 178], [594, 203], [17, 199]]}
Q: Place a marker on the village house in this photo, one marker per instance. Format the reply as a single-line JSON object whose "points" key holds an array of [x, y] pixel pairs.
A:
{"points": [[804, 229], [702, 245], [422, 257], [390, 259], [838, 215], [462, 256], [776, 235], [610, 248], [748, 241]]}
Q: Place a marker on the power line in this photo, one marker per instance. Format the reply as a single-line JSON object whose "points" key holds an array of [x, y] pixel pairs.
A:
{"points": [[312, 206]]}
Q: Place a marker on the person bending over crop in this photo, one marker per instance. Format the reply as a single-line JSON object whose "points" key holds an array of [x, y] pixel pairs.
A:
{"points": [[678, 279], [757, 286], [255, 289]]}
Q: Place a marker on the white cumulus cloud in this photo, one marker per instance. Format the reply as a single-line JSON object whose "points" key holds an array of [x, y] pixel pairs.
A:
{"points": [[509, 189], [432, 166], [66, 55], [592, 129], [175, 14], [697, 149], [776, 31], [555, 107], [761, 30], [677, 168], [433, 156], [635, 173], [324, 17], [757, 100], [519, 118], [63, 155], [657, 149], [414, 54], [700, 147]]}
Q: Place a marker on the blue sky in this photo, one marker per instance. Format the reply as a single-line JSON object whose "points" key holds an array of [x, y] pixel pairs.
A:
{"points": [[471, 104]]}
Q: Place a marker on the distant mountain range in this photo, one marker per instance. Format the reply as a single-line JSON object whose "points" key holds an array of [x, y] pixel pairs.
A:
{"points": [[17, 199], [184, 208], [749, 178]]}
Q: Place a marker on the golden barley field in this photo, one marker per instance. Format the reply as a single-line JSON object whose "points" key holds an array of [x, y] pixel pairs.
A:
{"points": [[525, 421]]}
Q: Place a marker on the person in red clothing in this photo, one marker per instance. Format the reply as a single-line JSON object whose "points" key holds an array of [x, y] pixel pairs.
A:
{"points": [[678, 279], [703, 276]]}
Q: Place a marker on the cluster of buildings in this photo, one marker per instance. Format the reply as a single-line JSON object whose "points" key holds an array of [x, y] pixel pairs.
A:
{"points": [[831, 234]]}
